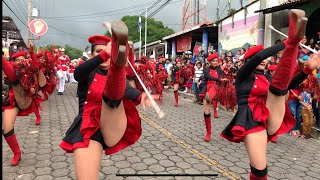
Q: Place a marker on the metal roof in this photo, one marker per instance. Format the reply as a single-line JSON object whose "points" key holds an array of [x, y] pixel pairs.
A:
{"points": [[286, 5], [203, 24], [137, 44], [8, 26]]}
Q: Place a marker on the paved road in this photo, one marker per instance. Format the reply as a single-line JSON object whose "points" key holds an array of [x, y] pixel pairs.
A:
{"points": [[173, 145]]}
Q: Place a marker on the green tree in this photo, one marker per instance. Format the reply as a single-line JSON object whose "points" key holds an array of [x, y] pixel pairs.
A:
{"points": [[49, 47], [72, 52], [156, 30]]}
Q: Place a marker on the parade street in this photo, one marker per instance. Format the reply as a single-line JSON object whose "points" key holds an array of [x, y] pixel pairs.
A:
{"points": [[172, 145]]}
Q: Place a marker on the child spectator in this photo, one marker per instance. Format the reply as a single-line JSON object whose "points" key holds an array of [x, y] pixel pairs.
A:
{"points": [[198, 72], [306, 113]]}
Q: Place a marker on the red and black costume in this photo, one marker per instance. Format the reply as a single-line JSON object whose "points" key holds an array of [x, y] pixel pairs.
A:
{"points": [[212, 76], [176, 76], [160, 76], [49, 70], [227, 91], [146, 74], [92, 83], [188, 74], [27, 78], [24, 74], [130, 73], [251, 88]]}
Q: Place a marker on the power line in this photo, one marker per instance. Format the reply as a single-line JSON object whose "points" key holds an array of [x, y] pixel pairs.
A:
{"points": [[22, 10], [152, 6], [100, 13], [67, 32], [96, 22], [14, 13], [159, 9], [118, 13], [223, 11], [17, 10]]}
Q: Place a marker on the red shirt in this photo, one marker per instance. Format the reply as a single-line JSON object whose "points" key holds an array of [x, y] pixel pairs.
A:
{"points": [[71, 68], [62, 62]]}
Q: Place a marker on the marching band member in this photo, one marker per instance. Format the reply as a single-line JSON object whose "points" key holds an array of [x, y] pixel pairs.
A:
{"points": [[262, 109], [108, 118], [212, 76], [62, 63]]}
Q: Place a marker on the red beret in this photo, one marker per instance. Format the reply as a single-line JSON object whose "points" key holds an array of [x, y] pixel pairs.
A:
{"points": [[178, 60], [272, 67], [252, 51], [99, 39], [20, 53], [212, 56], [160, 57]]}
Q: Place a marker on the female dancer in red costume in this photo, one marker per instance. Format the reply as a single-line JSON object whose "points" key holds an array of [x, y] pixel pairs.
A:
{"points": [[130, 74], [161, 75], [47, 67], [226, 91], [262, 111], [212, 75], [188, 74], [108, 118], [146, 73], [176, 73], [23, 98]]}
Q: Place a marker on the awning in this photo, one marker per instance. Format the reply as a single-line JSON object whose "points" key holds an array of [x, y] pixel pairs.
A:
{"points": [[286, 5]]}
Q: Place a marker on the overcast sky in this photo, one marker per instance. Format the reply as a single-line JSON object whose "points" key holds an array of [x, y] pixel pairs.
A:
{"points": [[104, 10]]}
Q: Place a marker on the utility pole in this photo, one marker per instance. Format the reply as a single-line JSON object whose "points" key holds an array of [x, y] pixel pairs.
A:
{"points": [[145, 33], [29, 19], [218, 8], [229, 4]]}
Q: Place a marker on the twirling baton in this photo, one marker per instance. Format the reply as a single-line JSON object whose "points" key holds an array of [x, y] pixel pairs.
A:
{"points": [[307, 47]]}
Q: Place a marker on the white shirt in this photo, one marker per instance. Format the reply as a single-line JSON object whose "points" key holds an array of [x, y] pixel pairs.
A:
{"points": [[169, 66], [197, 73]]}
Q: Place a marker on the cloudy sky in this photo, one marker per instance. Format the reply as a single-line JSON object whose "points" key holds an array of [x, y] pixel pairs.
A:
{"points": [[75, 20]]}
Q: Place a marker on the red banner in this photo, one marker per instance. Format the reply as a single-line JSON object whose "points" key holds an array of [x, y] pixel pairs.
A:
{"points": [[184, 43]]}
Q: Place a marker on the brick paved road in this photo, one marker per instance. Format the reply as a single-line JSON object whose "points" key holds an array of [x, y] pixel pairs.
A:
{"points": [[172, 145]]}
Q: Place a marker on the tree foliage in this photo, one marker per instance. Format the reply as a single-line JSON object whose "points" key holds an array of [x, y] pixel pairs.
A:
{"points": [[72, 52], [155, 29]]}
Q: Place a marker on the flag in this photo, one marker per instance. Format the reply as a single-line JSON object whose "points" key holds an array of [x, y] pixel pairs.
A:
{"points": [[139, 24]]}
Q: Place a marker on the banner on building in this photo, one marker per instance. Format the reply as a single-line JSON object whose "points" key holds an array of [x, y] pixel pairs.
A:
{"points": [[184, 43]]}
